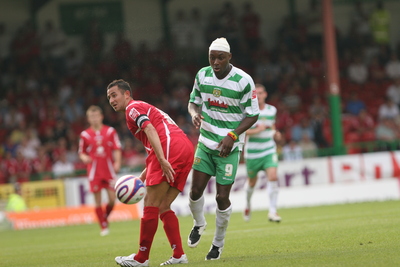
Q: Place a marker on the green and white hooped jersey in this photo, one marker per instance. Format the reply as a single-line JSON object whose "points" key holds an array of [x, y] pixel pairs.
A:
{"points": [[262, 143], [225, 103]]}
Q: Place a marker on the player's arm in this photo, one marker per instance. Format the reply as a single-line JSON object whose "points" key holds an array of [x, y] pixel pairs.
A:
{"points": [[82, 147], [226, 144], [246, 124], [277, 135], [155, 142], [258, 129], [195, 112], [117, 155]]}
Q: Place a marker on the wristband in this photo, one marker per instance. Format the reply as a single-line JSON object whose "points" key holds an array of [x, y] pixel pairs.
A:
{"points": [[233, 135]]}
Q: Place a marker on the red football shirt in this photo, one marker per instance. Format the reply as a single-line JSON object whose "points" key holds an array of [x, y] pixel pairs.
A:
{"points": [[99, 145], [139, 114]]}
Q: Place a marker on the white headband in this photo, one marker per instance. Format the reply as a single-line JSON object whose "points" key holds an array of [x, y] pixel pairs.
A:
{"points": [[220, 44]]}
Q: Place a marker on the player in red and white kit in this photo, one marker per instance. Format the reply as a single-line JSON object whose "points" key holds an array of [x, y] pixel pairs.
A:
{"points": [[100, 149], [169, 161]]}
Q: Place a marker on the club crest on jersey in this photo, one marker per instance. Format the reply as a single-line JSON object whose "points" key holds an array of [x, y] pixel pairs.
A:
{"points": [[133, 113], [217, 92]]}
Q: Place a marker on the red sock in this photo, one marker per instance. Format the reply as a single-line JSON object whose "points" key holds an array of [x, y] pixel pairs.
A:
{"points": [[100, 216], [109, 208], [171, 228], [148, 228]]}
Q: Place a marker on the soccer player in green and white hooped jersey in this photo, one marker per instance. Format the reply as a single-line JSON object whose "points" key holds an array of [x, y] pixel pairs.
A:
{"points": [[260, 154], [223, 104]]}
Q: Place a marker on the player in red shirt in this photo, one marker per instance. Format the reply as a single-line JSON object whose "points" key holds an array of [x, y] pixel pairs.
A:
{"points": [[169, 161], [100, 149]]}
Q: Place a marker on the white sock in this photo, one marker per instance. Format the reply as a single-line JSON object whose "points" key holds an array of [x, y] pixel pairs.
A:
{"points": [[249, 193], [273, 190], [196, 207], [222, 220]]}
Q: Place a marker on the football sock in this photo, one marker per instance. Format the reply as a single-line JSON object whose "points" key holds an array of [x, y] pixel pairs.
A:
{"points": [[100, 216], [222, 220], [171, 228], [273, 190], [148, 228], [249, 193], [109, 208], [196, 207]]}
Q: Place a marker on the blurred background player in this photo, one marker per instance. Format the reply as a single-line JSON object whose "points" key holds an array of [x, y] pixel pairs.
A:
{"points": [[100, 149], [223, 105], [16, 202], [260, 154], [169, 161]]}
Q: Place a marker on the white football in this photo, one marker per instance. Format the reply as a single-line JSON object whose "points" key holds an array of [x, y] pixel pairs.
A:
{"points": [[129, 189]]}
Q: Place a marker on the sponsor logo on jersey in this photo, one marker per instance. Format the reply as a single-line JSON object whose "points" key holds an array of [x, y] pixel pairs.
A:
{"points": [[216, 103], [217, 92], [253, 94]]}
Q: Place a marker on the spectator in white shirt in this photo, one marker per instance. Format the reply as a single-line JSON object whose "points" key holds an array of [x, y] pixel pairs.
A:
{"points": [[393, 91], [393, 67], [63, 168], [388, 110], [292, 151], [357, 71]]}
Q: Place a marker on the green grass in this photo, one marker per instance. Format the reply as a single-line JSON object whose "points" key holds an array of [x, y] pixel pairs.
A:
{"points": [[362, 234]]}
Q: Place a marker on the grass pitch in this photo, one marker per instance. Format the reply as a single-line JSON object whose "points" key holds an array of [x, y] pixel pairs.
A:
{"points": [[362, 234]]}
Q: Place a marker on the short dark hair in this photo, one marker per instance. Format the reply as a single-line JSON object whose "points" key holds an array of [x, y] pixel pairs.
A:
{"points": [[260, 85], [94, 108], [121, 84]]}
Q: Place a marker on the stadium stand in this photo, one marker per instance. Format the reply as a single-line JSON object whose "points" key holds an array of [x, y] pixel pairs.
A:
{"points": [[46, 96]]}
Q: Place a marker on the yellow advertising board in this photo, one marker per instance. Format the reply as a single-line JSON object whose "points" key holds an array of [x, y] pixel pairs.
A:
{"points": [[44, 194], [5, 191]]}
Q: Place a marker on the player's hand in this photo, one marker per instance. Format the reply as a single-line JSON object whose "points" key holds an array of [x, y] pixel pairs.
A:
{"points": [[226, 145], [142, 176], [117, 167], [86, 158], [278, 136], [260, 127], [168, 171], [196, 119]]}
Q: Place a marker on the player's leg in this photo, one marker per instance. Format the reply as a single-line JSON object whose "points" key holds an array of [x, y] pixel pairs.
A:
{"points": [[148, 225], [252, 170], [225, 177], [271, 165], [181, 160], [251, 183], [196, 205], [171, 228], [95, 188], [203, 169], [273, 191], [111, 201], [149, 222], [110, 205]]}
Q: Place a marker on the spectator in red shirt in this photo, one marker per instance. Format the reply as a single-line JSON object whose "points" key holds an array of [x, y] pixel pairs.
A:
{"points": [[22, 168], [364, 125]]}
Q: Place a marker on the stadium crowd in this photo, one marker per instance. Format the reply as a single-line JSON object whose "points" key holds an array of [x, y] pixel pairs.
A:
{"points": [[45, 86]]}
